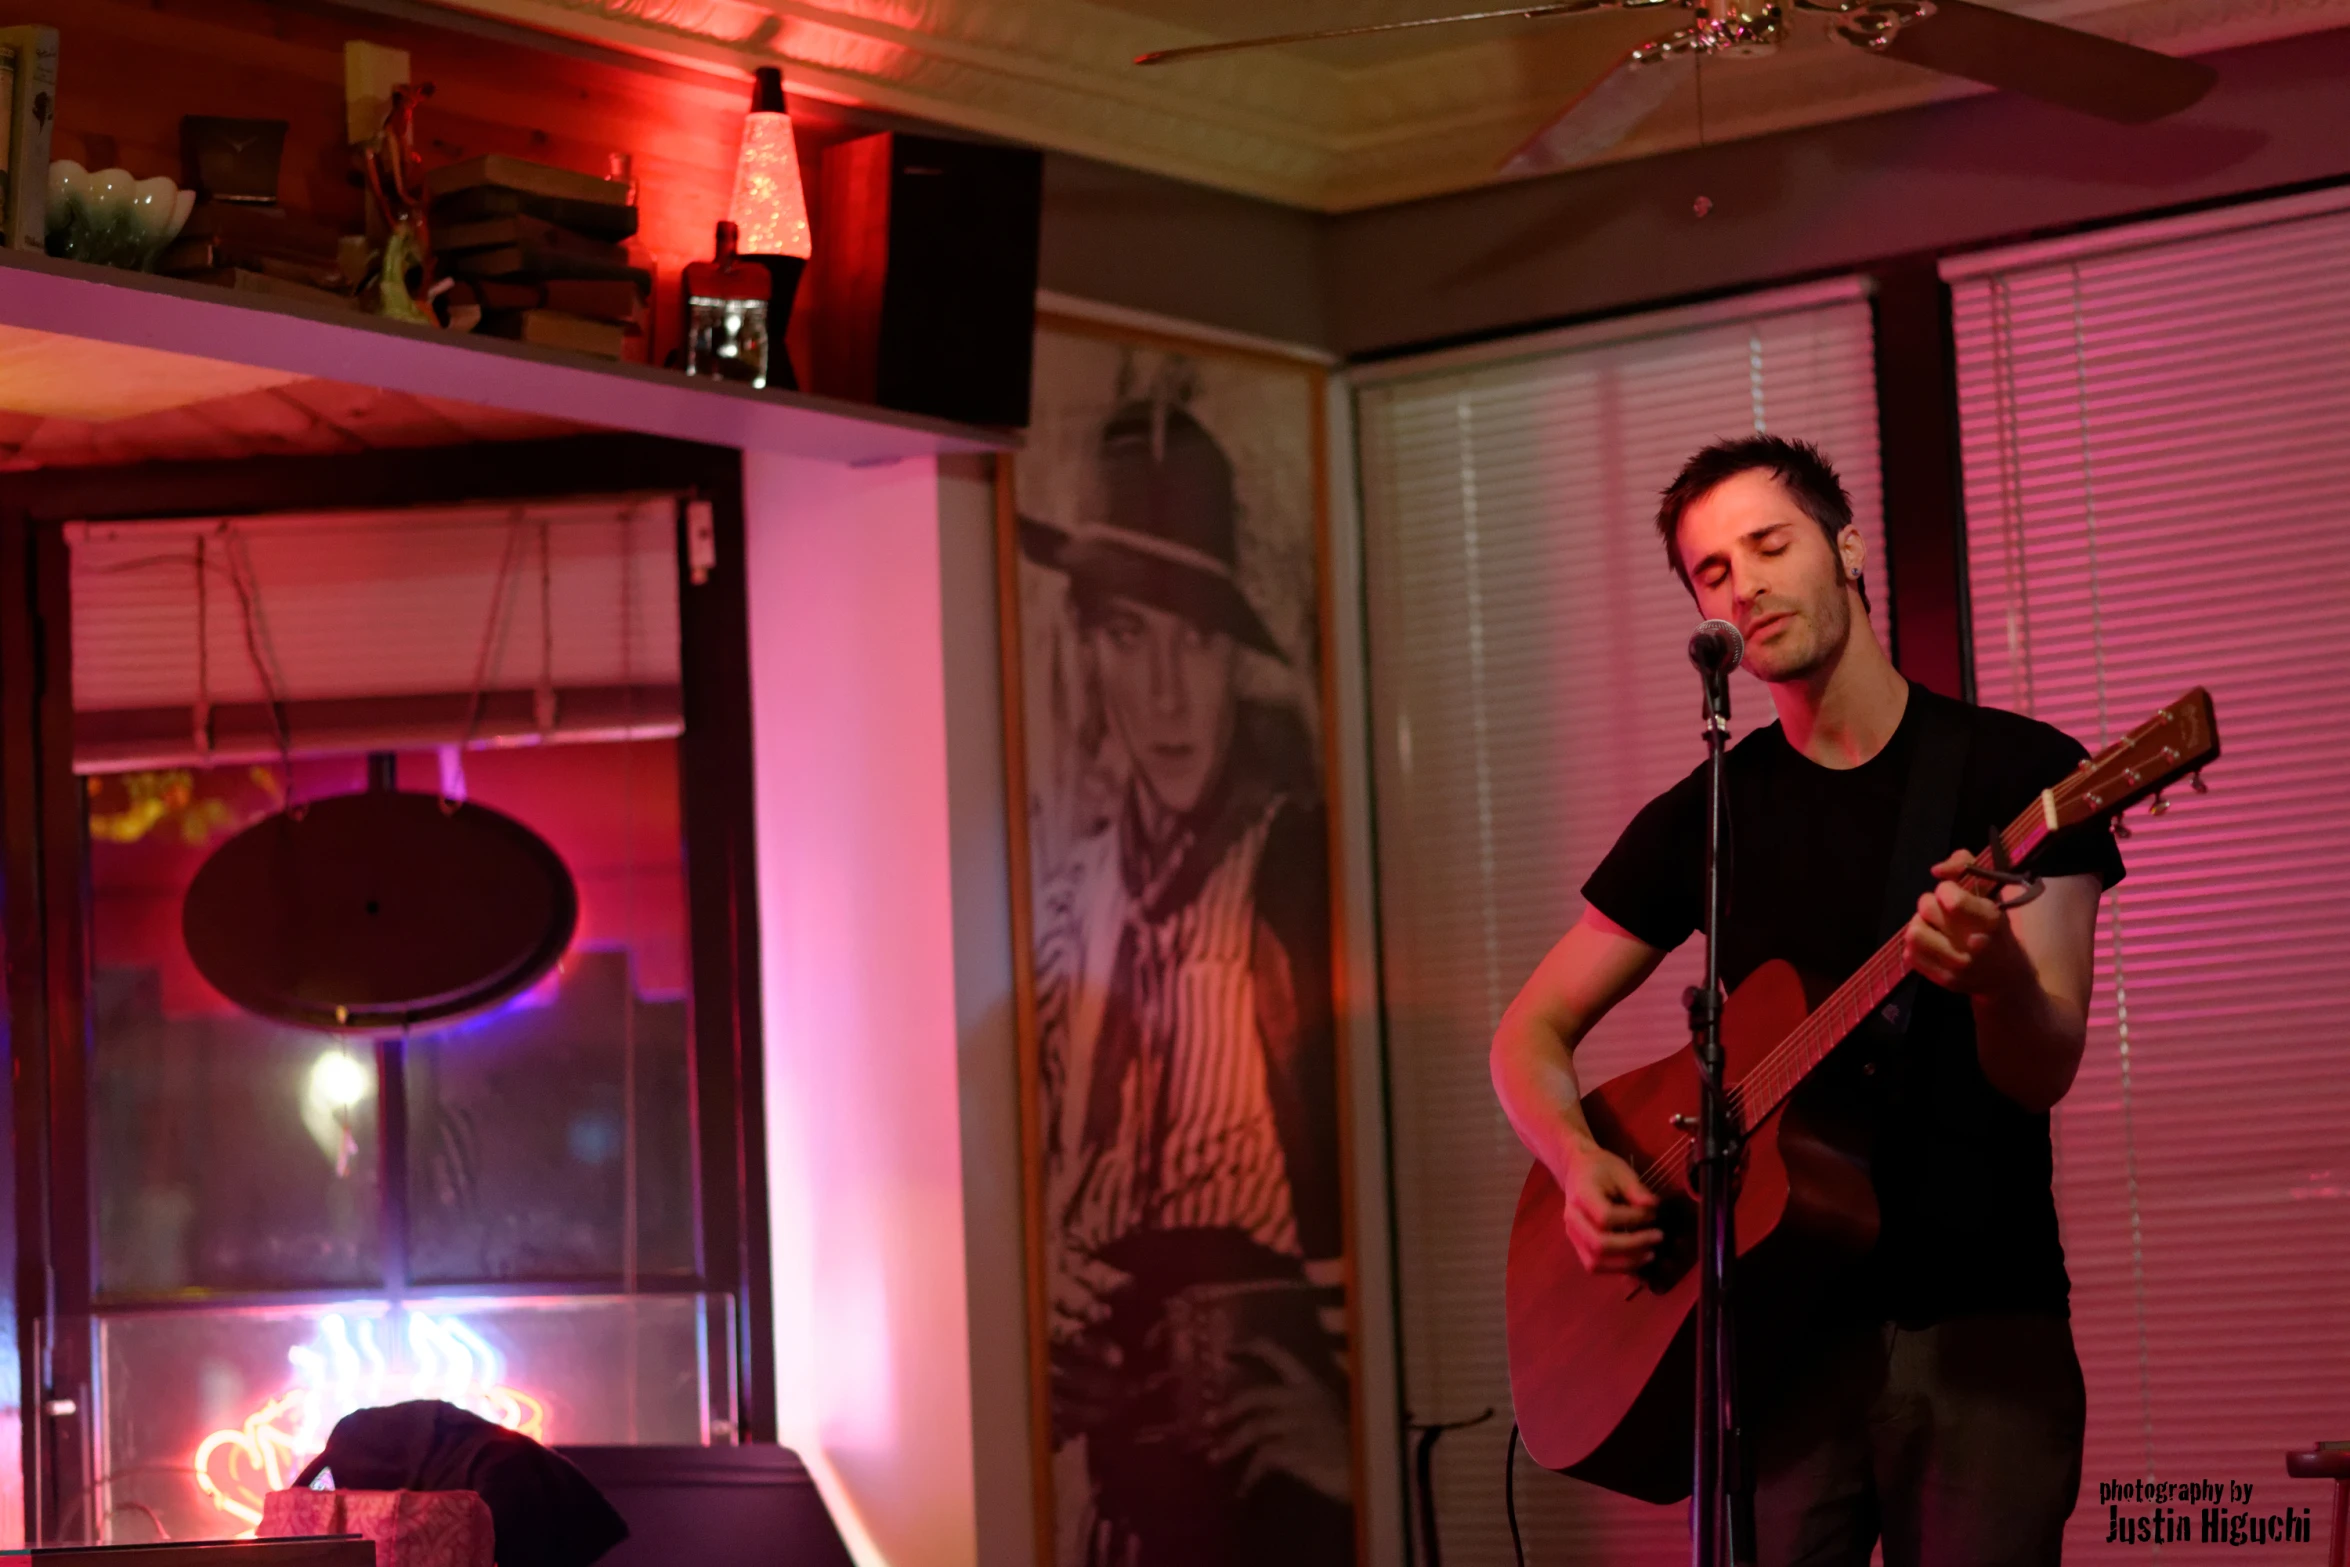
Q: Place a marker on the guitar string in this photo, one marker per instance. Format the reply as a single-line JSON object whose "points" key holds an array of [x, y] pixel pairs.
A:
{"points": [[1777, 1072], [1795, 1056]]}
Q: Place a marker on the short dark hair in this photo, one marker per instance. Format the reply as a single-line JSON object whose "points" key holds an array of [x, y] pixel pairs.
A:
{"points": [[1808, 475]]}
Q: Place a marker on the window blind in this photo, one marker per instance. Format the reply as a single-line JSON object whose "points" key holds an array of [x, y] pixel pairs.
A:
{"points": [[373, 629], [1530, 691], [2153, 422]]}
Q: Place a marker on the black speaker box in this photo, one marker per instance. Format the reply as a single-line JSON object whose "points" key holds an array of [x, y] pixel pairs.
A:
{"points": [[749, 1506], [922, 294]]}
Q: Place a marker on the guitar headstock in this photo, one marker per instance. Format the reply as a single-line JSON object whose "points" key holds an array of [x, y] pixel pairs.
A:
{"points": [[2180, 739]]}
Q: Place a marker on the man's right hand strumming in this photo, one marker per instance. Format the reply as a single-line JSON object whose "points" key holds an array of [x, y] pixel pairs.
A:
{"points": [[1610, 1215]]}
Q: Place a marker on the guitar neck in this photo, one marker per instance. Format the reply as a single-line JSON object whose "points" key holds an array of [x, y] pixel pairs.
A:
{"points": [[1773, 1078]]}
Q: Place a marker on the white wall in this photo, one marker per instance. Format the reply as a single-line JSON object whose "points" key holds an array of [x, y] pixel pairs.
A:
{"points": [[886, 951]]}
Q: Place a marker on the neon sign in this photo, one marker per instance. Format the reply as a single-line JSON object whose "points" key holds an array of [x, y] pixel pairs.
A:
{"points": [[345, 1368]]}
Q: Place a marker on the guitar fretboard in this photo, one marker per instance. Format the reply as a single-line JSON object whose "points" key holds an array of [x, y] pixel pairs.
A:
{"points": [[1768, 1083]]}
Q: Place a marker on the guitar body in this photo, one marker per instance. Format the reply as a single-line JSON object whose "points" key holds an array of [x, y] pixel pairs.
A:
{"points": [[1602, 1366]]}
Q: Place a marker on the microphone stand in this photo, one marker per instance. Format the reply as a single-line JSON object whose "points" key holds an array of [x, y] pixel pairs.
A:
{"points": [[1721, 1528]]}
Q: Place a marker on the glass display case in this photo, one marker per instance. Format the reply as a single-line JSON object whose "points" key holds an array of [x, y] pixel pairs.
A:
{"points": [[206, 1410]]}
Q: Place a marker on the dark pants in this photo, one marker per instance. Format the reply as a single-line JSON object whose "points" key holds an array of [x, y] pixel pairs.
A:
{"points": [[1961, 1443]]}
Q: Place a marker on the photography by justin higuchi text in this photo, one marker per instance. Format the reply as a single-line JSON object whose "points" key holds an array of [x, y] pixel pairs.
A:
{"points": [[2207, 1512]]}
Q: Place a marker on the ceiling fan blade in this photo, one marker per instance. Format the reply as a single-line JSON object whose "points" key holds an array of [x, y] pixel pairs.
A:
{"points": [[1604, 115], [1318, 35], [2060, 65]]}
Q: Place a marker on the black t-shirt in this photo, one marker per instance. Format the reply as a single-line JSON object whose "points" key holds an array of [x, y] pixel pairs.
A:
{"points": [[1962, 1172]]}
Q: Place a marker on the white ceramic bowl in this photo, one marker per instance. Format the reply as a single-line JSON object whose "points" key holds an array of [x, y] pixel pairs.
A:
{"points": [[110, 218]]}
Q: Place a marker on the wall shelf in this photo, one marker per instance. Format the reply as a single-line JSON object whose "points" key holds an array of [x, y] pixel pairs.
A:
{"points": [[166, 330]]}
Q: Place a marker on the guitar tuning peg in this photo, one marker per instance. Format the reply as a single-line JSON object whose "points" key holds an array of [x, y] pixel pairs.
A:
{"points": [[2160, 806], [2121, 829], [2197, 784]]}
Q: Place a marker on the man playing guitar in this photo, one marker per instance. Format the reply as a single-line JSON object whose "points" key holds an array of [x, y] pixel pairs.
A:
{"points": [[1937, 1401]]}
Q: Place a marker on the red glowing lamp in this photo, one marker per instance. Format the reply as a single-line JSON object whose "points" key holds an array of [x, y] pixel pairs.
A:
{"points": [[770, 210]]}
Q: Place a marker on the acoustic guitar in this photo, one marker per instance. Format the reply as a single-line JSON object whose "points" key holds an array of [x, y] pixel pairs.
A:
{"points": [[1602, 1365]]}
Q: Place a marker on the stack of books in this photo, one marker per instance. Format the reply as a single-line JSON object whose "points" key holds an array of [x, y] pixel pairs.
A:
{"points": [[28, 108], [260, 250], [540, 251]]}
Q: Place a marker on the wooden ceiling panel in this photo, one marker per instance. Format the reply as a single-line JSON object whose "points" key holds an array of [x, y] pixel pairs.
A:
{"points": [[297, 418], [277, 420], [73, 378], [1336, 126], [361, 416], [495, 424]]}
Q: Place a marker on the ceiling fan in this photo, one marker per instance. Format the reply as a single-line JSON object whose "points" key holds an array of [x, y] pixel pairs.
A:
{"points": [[2059, 65]]}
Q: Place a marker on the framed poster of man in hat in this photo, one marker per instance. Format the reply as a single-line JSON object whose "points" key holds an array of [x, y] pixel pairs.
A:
{"points": [[1164, 625]]}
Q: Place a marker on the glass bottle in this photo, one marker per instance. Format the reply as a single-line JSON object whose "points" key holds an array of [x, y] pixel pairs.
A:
{"points": [[726, 315]]}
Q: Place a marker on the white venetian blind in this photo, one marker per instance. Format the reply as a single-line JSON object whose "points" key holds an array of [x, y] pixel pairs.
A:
{"points": [[1530, 692], [374, 629], [2154, 424]]}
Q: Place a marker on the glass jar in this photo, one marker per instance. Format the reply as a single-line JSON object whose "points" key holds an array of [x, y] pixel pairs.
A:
{"points": [[726, 301]]}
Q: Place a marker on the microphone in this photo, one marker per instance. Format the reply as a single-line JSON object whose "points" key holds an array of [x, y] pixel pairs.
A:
{"points": [[1716, 648]]}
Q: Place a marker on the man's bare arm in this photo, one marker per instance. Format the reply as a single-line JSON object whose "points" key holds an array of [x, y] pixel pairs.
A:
{"points": [[2028, 972], [1595, 965]]}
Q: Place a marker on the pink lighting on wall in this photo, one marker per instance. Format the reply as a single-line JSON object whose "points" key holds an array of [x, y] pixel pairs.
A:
{"points": [[769, 210], [861, 974]]}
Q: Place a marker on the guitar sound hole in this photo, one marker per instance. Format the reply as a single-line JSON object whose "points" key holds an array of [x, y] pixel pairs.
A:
{"points": [[1676, 1215]]}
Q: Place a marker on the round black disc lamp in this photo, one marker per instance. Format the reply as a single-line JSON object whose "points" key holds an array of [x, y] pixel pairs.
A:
{"points": [[379, 911]]}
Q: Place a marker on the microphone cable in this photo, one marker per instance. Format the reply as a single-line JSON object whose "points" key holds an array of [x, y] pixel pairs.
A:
{"points": [[1509, 1493]]}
